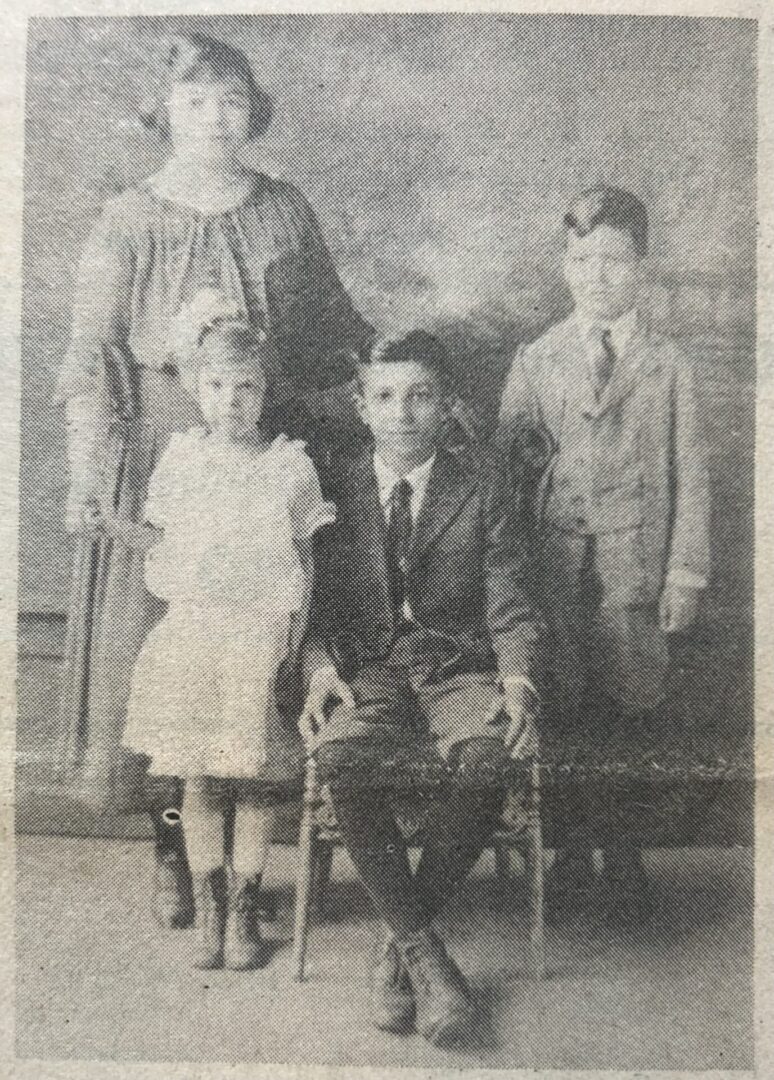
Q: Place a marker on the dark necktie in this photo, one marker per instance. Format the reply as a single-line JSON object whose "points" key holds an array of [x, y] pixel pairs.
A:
{"points": [[603, 363], [399, 525]]}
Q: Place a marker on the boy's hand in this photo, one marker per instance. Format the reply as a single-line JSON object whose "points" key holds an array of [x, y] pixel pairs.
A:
{"points": [[325, 686], [677, 608], [520, 702]]}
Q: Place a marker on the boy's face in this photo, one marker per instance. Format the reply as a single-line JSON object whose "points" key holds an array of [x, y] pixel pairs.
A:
{"points": [[602, 270], [231, 397], [404, 406]]}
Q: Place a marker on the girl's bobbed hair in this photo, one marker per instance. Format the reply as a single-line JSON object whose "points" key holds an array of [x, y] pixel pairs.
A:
{"points": [[200, 58]]}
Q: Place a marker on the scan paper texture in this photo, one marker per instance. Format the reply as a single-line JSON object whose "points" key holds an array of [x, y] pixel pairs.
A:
{"points": [[381, 633]]}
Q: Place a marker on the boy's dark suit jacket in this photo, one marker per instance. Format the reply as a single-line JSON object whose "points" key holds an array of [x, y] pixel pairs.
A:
{"points": [[469, 575]]}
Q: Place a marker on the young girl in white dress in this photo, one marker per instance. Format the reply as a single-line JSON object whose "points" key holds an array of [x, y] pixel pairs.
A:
{"points": [[229, 520]]}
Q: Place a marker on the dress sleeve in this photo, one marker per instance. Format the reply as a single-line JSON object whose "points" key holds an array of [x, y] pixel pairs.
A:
{"points": [[101, 313], [314, 322], [308, 510]]}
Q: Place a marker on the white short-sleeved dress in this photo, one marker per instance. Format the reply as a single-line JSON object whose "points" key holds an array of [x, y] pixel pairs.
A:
{"points": [[202, 694]]}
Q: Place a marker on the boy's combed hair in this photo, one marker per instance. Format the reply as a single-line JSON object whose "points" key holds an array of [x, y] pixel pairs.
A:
{"points": [[417, 347], [201, 58], [616, 207]]}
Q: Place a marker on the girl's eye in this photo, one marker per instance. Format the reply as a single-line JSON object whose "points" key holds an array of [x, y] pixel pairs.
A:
{"points": [[216, 384], [385, 395], [196, 103]]}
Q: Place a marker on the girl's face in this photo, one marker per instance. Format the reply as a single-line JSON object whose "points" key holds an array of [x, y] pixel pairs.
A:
{"points": [[231, 396], [209, 121]]}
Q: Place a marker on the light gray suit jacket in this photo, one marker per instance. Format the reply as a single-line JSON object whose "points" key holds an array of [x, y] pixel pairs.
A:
{"points": [[630, 468]]}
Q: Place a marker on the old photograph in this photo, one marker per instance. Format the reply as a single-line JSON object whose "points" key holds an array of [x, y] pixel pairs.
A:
{"points": [[385, 665]]}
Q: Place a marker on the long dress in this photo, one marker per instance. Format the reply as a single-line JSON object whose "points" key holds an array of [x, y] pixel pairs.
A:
{"points": [[202, 700], [146, 256]]}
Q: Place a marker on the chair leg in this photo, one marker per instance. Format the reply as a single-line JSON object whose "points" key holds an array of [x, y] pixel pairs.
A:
{"points": [[307, 851], [323, 865], [534, 861]]}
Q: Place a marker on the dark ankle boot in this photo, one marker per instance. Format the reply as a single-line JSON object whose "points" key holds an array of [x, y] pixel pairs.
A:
{"points": [[210, 921], [570, 883], [624, 900], [392, 998], [445, 1012], [243, 945], [173, 906]]}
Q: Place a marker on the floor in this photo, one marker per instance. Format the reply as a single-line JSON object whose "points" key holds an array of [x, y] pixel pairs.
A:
{"points": [[97, 979]]}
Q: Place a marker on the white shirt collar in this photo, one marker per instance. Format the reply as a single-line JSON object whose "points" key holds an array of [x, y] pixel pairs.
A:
{"points": [[621, 329], [387, 478]]}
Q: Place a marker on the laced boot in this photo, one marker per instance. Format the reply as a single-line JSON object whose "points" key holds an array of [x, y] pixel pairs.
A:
{"points": [[392, 998], [243, 943], [445, 1012], [210, 919]]}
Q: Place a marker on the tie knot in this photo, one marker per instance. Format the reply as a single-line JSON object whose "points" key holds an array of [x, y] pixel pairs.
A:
{"points": [[401, 493]]}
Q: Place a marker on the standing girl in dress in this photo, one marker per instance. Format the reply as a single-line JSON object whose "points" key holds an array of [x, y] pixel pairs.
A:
{"points": [[227, 534], [205, 219]]}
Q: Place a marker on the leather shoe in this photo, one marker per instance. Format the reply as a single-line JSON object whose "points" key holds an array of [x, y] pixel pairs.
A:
{"points": [[210, 923], [569, 883], [445, 1012], [624, 901], [392, 998], [243, 946]]}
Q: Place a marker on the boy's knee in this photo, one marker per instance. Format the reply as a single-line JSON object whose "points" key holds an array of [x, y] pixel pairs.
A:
{"points": [[479, 760]]}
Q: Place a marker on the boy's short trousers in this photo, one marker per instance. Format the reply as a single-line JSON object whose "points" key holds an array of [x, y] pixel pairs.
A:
{"points": [[400, 708]]}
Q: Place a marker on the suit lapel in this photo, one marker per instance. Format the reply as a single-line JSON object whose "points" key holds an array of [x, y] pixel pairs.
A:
{"points": [[572, 373], [367, 520], [448, 489]]}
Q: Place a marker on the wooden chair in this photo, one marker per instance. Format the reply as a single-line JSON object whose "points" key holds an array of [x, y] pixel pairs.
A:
{"points": [[319, 834]]}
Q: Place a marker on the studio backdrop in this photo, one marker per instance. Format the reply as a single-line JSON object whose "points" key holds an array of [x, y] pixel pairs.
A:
{"points": [[439, 152]]}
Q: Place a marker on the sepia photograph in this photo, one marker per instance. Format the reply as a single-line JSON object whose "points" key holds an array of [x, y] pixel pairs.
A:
{"points": [[386, 542]]}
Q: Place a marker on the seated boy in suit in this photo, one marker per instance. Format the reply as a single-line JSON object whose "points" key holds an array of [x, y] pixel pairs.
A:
{"points": [[423, 634], [624, 508]]}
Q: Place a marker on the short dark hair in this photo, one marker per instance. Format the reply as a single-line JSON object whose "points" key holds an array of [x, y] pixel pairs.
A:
{"points": [[199, 57], [417, 347], [616, 207]]}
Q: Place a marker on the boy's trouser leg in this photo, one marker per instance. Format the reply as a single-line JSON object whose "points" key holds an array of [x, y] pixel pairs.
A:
{"points": [[366, 819], [460, 821]]}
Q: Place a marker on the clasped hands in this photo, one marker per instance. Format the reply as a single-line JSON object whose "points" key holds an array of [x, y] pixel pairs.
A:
{"points": [[518, 701]]}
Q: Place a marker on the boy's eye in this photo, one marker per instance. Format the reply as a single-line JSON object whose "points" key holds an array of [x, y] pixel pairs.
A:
{"points": [[384, 395], [216, 384]]}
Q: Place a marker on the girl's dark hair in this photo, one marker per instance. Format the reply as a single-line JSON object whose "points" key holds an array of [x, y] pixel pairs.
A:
{"points": [[201, 58], [616, 207]]}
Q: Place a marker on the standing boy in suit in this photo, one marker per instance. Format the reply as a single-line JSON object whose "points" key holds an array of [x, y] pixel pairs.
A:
{"points": [[624, 507], [424, 635]]}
